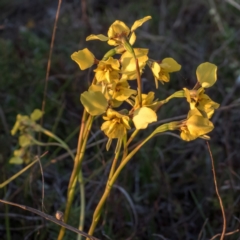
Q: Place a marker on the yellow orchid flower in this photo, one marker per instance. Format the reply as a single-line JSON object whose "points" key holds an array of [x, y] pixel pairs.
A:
{"points": [[107, 71], [116, 124], [128, 63], [20, 156], [120, 90], [147, 101], [145, 114], [111, 102], [23, 122], [197, 99], [161, 70], [195, 126], [84, 58], [26, 126], [119, 30]]}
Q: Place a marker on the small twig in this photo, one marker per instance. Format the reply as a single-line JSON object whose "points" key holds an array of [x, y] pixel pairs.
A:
{"points": [[20, 172], [49, 61], [36, 229], [41, 168], [217, 192], [160, 236], [226, 234], [204, 224], [50, 218], [19, 217], [133, 208]]}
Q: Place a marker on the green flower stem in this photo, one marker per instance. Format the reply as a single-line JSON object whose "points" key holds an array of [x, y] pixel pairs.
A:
{"points": [[114, 163], [52, 144], [82, 206], [87, 129], [58, 118], [125, 147], [139, 82], [82, 142], [68, 138], [125, 152], [51, 135], [73, 176], [129, 48], [132, 136], [110, 53], [77, 160], [109, 185]]}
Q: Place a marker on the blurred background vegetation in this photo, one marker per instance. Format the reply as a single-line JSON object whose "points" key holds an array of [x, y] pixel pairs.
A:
{"points": [[166, 191]]}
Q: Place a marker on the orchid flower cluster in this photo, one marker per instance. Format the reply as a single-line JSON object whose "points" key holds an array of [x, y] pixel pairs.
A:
{"points": [[108, 91], [27, 126], [110, 87]]}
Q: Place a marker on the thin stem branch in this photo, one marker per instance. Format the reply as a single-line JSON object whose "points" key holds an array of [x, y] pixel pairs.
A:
{"points": [[20, 172], [110, 183], [132, 137], [50, 134], [7, 222], [77, 157], [139, 82], [217, 192], [50, 218], [226, 234], [114, 163], [82, 205], [49, 61], [52, 144], [76, 168]]}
